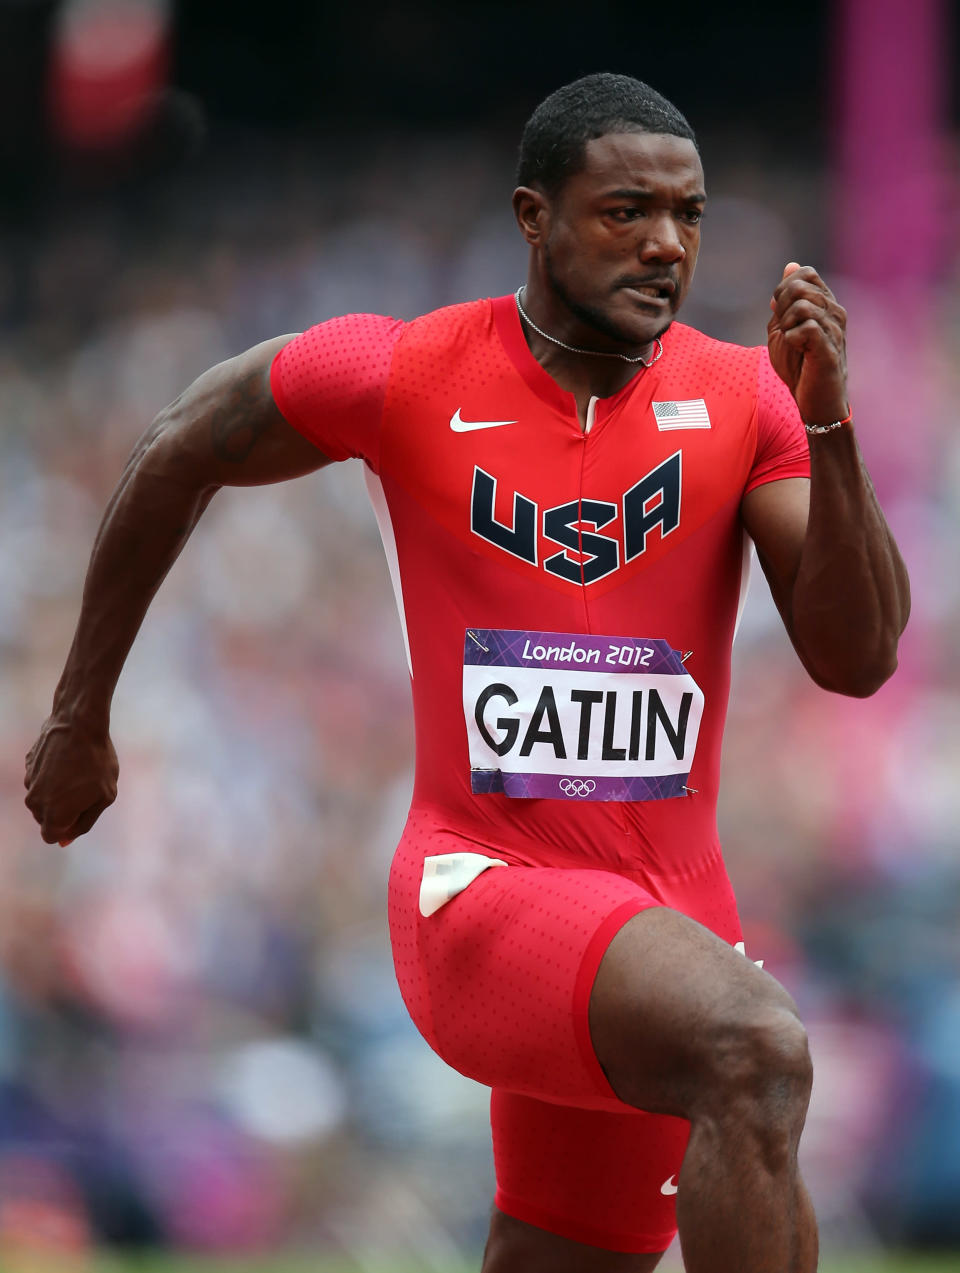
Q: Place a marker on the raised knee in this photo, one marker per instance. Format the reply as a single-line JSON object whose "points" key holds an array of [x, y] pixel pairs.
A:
{"points": [[762, 1056], [758, 1085]]}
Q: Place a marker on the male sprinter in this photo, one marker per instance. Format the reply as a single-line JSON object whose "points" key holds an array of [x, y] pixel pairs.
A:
{"points": [[564, 480]]}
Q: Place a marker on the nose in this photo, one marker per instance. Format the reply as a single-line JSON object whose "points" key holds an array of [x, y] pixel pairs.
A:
{"points": [[661, 240]]}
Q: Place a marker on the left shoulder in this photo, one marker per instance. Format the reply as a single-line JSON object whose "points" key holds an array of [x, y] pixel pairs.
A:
{"points": [[696, 362], [690, 344]]}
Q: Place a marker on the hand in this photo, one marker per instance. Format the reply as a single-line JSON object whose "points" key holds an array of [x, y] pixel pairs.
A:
{"points": [[806, 337], [71, 778]]}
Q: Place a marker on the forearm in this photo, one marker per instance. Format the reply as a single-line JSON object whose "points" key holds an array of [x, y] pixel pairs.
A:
{"points": [[147, 522], [851, 596], [835, 571], [224, 430]]}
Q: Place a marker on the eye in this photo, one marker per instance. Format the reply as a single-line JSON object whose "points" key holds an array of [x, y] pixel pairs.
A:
{"points": [[626, 214], [692, 216]]}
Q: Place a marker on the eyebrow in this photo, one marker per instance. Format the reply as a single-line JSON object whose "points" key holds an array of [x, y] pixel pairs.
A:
{"points": [[634, 193]]}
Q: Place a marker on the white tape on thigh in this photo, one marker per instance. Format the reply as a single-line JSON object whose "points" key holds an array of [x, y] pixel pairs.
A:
{"points": [[447, 874]]}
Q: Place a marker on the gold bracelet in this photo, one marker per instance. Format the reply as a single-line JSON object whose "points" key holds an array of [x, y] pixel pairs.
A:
{"points": [[829, 428]]}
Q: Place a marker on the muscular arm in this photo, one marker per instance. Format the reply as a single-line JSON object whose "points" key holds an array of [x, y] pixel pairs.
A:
{"points": [[225, 430], [835, 571]]}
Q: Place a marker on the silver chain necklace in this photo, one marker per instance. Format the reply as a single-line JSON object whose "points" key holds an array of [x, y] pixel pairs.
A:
{"points": [[575, 349]]}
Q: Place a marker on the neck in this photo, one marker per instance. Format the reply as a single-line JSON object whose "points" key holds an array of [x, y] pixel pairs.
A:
{"points": [[579, 376], [582, 370]]}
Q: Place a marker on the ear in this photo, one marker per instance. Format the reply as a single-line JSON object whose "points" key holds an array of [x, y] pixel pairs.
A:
{"points": [[532, 210]]}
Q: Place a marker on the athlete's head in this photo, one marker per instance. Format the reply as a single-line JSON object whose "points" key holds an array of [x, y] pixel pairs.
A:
{"points": [[610, 195], [554, 138]]}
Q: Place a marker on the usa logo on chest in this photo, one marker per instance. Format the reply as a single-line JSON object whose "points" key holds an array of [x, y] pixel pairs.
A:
{"points": [[593, 537]]}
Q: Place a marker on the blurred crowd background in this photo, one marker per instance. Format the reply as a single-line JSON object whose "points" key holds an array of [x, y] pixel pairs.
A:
{"points": [[201, 1042]]}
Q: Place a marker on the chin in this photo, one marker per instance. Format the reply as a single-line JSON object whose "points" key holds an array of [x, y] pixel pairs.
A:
{"points": [[634, 330], [630, 327], [642, 334], [635, 327]]}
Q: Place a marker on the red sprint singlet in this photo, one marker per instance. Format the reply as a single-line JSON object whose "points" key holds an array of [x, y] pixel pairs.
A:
{"points": [[569, 598]]}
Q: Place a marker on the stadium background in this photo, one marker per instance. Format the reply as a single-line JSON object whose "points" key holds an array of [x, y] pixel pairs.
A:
{"points": [[201, 1045]]}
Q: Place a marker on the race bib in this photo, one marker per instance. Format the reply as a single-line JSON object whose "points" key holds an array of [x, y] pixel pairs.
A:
{"points": [[563, 716]]}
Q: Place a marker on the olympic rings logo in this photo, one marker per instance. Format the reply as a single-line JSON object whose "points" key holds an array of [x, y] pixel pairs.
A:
{"points": [[577, 786]]}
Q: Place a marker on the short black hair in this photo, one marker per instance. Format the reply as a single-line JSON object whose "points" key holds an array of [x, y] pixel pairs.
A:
{"points": [[556, 134]]}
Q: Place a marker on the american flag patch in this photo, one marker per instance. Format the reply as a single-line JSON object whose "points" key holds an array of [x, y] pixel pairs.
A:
{"points": [[691, 414]]}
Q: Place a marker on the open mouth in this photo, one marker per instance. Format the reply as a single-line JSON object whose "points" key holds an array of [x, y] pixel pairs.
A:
{"points": [[653, 292]]}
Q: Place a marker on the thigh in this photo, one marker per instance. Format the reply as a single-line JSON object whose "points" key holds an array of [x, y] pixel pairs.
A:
{"points": [[669, 1003], [601, 1179], [498, 979]]}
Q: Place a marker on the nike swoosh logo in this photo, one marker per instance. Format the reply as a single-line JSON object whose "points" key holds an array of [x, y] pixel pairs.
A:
{"points": [[668, 1187], [467, 426]]}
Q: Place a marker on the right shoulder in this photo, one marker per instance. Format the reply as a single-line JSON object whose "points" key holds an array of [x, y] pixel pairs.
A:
{"points": [[349, 335], [330, 382], [451, 327]]}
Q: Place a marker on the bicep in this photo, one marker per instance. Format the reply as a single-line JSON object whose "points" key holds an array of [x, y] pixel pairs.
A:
{"points": [[774, 515], [227, 430]]}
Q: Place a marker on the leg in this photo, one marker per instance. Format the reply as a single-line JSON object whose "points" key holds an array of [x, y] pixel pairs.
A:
{"points": [[579, 1189], [516, 1247], [500, 981], [684, 1025]]}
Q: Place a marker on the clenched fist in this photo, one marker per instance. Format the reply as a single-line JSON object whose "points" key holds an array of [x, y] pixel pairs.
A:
{"points": [[71, 778], [806, 337]]}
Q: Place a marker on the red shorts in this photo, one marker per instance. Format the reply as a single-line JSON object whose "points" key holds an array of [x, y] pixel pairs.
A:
{"points": [[498, 981]]}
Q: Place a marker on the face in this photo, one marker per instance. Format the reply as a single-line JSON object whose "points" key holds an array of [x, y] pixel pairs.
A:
{"points": [[619, 242]]}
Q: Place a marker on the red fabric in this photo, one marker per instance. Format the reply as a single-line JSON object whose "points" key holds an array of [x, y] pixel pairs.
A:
{"points": [[588, 1176], [782, 447], [329, 383], [387, 392], [498, 981]]}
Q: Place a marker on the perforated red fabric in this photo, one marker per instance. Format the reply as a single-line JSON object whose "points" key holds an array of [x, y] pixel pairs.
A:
{"points": [[449, 348], [594, 1177], [782, 447], [329, 383], [431, 404], [498, 981]]}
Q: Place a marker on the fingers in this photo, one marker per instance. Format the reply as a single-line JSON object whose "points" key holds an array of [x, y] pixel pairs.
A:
{"points": [[802, 282], [58, 818], [54, 830], [71, 777], [796, 272], [806, 339], [58, 828], [809, 342], [805, 311], [803, 326], [86, 820]]}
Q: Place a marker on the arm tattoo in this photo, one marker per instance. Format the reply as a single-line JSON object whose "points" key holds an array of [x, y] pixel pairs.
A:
{"points": [[236, 427]]}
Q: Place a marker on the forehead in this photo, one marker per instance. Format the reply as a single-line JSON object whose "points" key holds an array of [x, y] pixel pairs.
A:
{"points": [[644, 161]]}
